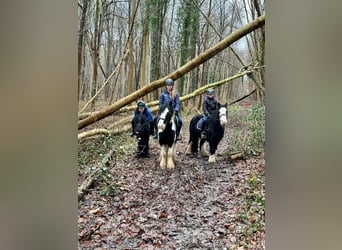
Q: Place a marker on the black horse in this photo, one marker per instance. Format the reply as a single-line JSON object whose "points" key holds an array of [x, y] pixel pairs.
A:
{"points": [[167, 137], [215, 124], [142, 132]]}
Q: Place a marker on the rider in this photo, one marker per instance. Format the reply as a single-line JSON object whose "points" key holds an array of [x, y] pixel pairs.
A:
{"points": [[208, 107], [169, 94], [142, 108]]}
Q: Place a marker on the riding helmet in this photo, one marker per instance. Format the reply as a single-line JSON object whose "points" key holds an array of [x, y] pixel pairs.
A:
{"points": [[169, 81], [141, 104], [210, 91]]}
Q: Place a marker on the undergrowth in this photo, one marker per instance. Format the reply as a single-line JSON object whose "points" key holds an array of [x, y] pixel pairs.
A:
{"points": [[92, 150], [246, 130]]}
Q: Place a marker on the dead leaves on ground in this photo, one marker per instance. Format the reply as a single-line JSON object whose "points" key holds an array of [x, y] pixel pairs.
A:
{"points": [[194, 206]]}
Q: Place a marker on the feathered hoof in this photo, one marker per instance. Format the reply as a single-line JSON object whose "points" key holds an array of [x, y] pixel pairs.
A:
{"points": [[212, 159], [170, 165], [162, 164]]}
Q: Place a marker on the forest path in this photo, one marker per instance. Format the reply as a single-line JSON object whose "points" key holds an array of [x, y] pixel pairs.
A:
{"points": [[196, 205]]}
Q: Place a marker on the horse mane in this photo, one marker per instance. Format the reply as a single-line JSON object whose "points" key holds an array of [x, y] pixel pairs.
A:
{"points": [[166, 105], [213, 116]]}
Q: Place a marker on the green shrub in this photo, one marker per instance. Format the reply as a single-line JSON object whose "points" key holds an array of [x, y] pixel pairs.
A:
{"points": [[246, 130]]}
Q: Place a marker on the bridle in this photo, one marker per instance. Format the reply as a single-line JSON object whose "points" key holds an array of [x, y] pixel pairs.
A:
{"points": [[141, 126]]}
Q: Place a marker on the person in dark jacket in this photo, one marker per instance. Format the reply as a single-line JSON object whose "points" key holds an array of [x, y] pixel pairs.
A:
{"points": [[208, 107], [142, 108], [169, 94]]}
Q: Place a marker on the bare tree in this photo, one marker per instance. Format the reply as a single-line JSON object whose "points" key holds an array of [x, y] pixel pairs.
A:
{"points": [[84, 8], [236, 35]]}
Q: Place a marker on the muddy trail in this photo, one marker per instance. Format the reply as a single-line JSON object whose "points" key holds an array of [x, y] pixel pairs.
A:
{"points": [[197, 205]]}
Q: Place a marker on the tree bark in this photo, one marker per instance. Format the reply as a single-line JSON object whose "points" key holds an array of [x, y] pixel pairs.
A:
{"points": [[236, 35]]}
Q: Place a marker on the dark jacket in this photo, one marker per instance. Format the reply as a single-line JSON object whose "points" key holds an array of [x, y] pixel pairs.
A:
{"points": [[146, 112], [209, 105]]}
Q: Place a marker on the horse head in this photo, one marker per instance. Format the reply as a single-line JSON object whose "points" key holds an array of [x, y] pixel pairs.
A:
{"points": [[222, 112], [140, 125], [166, 115]]}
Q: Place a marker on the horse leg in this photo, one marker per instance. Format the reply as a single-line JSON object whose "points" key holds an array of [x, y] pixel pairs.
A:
{"points": [[193, 143], [163, 152], [203, 150], [170, 157], [174, 152], [139, 150], [147, 150], [212, 156]]}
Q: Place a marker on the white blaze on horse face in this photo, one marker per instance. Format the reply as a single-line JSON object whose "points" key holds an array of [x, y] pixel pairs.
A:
{"points": [[173, 126], [223, 116], [162, 117]]}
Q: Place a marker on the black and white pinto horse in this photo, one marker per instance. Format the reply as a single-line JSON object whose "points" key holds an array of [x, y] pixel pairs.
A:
{"points": [[167, 138], [215, 124], [142, 132]]}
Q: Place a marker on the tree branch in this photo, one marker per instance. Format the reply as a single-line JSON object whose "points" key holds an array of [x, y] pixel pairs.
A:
{"points": [[236, 35]]}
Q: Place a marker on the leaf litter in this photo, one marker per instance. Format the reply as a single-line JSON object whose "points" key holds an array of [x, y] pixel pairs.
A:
{"points": [[195, 206]]}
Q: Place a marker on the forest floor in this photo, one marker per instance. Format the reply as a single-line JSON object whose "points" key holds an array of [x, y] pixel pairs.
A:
{"points": [[136, 205]]}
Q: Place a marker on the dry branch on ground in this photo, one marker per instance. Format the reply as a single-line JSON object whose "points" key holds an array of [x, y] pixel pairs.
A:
{"points": [[89, 181]]}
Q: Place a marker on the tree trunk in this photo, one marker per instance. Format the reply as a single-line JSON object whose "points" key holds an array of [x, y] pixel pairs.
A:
{"points": [[236, 35], [145, 45], [95, 53], [80, 43], [158, 10], [133, 7]]}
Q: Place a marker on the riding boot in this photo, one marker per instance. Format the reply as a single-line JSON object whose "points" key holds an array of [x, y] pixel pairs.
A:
{"points": [[155, 136], [204, 135], [147, 152]]}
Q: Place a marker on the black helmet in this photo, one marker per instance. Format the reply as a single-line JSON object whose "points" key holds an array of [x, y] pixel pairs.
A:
{"points": [[210, 91], [169, 81], [141, 104]]}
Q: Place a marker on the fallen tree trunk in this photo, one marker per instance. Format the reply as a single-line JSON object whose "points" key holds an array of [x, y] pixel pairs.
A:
{"points": [[236, 35], [89, 181], [154, 109], [98, 131], [195, 93], [237, 156], [86, 114], [93, 132]]}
